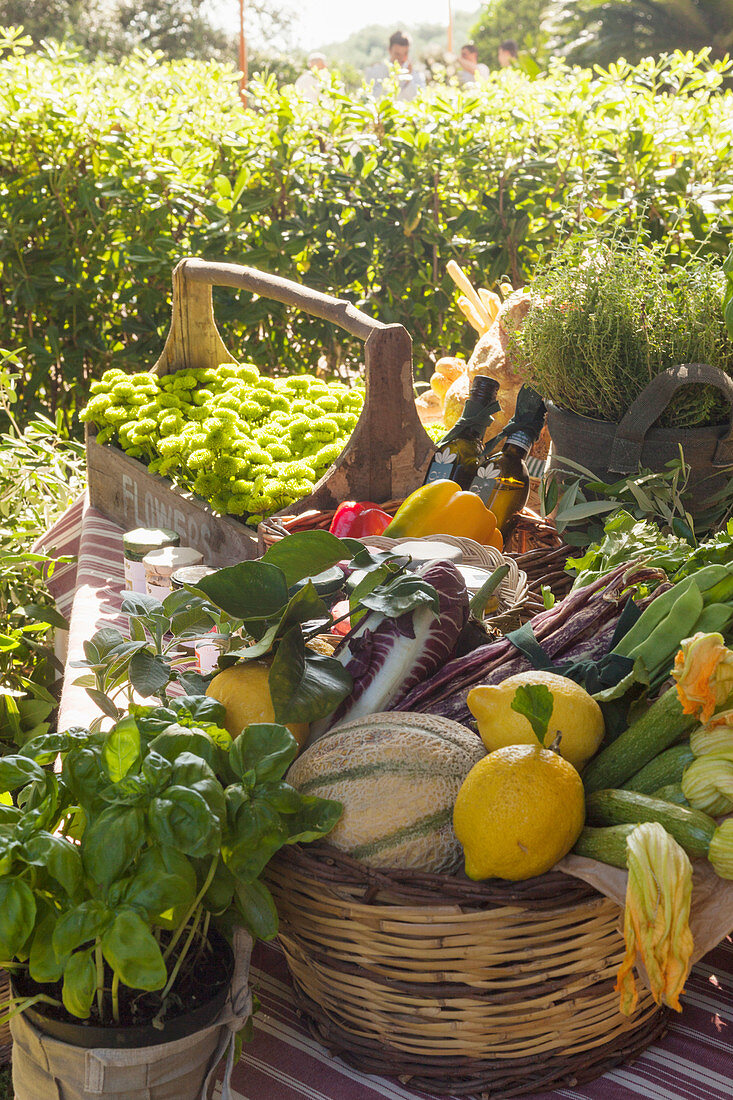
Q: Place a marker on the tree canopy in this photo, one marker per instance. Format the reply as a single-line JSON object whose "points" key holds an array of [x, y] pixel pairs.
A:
{"points": [[601, 31], [503, 19], [177, 28]]}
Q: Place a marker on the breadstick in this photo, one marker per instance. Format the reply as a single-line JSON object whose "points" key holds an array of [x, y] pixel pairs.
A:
{"points": [[491, 302], [463, 283], [472, 316]]}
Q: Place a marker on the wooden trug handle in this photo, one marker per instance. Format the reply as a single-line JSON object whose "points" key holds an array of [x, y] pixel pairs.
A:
{"points": [[389, 450]]}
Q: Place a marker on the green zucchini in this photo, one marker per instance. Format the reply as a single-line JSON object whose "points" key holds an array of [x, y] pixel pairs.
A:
{"points": [[660, 727], [692, 829], [607, 844], [663, 769], [672, 792]]}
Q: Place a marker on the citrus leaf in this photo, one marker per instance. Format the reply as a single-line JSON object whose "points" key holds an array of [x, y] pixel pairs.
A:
{"points": [[535, 702]]}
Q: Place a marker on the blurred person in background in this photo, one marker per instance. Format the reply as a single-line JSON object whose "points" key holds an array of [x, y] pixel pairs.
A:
{"points": [[471, 70], [310, 83], [399, 55], [508, 53]]}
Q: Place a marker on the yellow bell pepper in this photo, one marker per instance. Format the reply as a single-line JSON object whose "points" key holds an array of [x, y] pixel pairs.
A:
{"points": [[443, 508]]}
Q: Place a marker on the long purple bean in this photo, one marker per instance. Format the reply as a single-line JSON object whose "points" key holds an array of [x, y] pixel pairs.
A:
{"points": [[561, 628], [454, 705]]}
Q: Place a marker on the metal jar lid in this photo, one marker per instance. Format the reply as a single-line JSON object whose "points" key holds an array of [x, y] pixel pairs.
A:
{"points": [[190, 574], [165, 561], [136, 544]]}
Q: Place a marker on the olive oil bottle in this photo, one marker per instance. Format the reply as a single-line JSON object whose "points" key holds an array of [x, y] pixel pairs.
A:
{"points": [[502, 479], [459, 451]]}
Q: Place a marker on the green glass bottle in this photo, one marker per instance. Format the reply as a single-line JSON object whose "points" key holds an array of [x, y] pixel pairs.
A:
{"points": [[459, 452], [502, 479]]}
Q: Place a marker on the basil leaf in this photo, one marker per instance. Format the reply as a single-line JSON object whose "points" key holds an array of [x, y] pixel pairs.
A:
{"points": [[121, 749], [132, 951], [182, 819], [267, 749], [111, 842], [43, 963], [257, 909], [80, 983], [18, 914]]}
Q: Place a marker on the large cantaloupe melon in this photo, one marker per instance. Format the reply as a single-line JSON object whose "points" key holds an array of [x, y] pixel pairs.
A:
{"points": [[397, 775]]}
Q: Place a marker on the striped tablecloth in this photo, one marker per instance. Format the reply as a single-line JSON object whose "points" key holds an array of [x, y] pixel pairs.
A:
{"points": [[693, 1062]]}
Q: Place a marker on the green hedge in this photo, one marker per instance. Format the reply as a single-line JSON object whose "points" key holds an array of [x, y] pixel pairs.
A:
{"points": [[110, 174]]}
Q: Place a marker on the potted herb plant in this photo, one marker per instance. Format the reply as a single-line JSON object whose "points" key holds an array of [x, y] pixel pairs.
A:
{"points": [[631, 352], [120, 875], [122, 879]]}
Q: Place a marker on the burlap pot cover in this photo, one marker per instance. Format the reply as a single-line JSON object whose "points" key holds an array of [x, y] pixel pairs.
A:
{"points": [[47, 1069]]}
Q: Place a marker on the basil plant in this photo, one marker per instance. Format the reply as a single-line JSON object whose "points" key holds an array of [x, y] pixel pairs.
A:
{"points": [[273, 607], [113, 871]]}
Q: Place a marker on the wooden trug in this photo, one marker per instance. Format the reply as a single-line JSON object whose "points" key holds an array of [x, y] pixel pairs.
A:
{"points": [[385, 458]]}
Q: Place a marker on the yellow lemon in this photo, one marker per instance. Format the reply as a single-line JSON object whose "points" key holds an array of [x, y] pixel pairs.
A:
{"points": [[244, 691], [576, 716], [518, 812]]}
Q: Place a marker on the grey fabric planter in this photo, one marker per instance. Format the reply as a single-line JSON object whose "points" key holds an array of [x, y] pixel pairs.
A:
{"points": [[611, 451]]}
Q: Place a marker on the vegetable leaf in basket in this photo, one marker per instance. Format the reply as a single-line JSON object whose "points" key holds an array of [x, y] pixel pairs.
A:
{"points": [[535, 702]]}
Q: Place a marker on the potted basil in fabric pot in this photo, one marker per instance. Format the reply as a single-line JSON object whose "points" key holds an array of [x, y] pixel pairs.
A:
{"points": [[633, 357], [123, 879]]}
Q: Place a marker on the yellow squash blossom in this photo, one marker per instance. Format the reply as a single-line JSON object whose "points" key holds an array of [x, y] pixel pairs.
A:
{"points": [[707, 783], [703, 669], [716, 736], [721, 849], [656, 918]]}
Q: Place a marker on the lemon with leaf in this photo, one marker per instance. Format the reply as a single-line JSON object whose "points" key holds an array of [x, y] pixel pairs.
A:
{"points": [[521, 808], [507, 714], [245, 692]]}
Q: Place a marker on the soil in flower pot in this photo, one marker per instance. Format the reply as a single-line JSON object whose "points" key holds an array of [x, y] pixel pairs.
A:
{"points": [[192, 1005]]}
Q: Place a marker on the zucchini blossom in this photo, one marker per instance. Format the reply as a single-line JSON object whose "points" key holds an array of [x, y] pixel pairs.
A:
{"points": [[714, 737], [656, 918], [720, 852], [707, 784], [703, 669]]}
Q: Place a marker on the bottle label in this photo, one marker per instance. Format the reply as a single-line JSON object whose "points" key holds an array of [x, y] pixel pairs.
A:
{"points": [[485, 481], [443, 465]]}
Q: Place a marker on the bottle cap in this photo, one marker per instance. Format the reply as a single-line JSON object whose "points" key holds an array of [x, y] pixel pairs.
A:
{"points": [[522, 439], [527, 422], [477, 412]]}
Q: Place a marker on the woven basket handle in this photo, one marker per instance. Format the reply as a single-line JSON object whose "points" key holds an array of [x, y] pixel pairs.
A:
{"points": [[651, 403]]}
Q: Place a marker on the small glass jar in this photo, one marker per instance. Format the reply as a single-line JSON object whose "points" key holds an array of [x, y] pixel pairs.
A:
{"points": [[161, 564], [136, 545]]}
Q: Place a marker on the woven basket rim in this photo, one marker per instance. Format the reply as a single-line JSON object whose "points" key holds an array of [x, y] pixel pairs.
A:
{"points": [[511, 593], [328, 865]]}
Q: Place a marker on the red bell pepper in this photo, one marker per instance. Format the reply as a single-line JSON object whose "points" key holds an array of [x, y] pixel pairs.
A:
{"points": [[357, 519]]}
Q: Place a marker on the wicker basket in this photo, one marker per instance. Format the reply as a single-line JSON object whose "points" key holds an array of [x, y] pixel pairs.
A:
{"points": [[541, 553], [519, 594], [277, 527], [491, 989], [534, 543], [513, 592]]}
